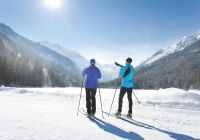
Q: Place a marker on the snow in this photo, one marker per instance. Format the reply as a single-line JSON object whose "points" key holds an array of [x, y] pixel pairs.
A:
{"points": [[74, 56], [66, 59], [50, 113], [18, 55], [177, 47], [39, 50], [198, 35], [109, 71]]}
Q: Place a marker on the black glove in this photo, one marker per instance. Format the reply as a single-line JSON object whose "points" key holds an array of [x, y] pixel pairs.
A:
{"points": [[117, 64]]}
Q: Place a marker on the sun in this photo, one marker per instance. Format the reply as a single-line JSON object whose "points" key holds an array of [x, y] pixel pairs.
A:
{"points": [[53, 4]]}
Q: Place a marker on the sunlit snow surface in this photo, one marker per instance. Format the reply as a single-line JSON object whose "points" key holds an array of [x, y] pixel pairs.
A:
{"points": [[50, 114]]}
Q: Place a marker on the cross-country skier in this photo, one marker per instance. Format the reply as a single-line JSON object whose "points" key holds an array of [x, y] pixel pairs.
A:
{"points": [[126, 73], [92, 74]]}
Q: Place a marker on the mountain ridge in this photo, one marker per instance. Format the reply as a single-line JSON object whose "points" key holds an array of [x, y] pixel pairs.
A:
{"points": [[60, 58], [179, 46], [59, 68], [180, 68]]}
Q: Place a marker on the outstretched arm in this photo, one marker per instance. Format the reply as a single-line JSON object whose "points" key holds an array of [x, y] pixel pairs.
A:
{"points": [[119, 65]]}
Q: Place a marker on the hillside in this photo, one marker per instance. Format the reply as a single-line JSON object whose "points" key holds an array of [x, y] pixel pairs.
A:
{"points": [[26, 63], [175, 66], [52, 64], [108, 71], [180, 70]]}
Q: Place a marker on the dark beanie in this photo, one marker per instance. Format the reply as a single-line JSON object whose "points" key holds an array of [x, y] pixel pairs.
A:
{"points": [[92, 61], [129, 60]]}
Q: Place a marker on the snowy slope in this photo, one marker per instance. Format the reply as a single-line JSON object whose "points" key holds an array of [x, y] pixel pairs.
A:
{"points": [[64, 58], [50, 113], [74, 56], [179, 46], [38, 49], [109, 72]]}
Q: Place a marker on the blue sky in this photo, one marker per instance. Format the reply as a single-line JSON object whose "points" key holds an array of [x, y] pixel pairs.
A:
{"points": [[108, 30]]}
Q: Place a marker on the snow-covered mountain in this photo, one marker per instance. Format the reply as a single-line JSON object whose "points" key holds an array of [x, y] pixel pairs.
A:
{"points": [[17, 50], [53, 54], [39, 49], [74, 56], [177, 47], [109, 72], [176, 66]]}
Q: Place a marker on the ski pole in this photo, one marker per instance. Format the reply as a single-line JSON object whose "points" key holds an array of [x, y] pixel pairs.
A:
{"points": [[114, 97], [136, 98], [101, 102], [80, 96]]}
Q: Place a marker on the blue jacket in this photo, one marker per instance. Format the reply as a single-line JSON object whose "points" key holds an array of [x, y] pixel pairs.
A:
{"points": [[127, 81], [92, 74]]}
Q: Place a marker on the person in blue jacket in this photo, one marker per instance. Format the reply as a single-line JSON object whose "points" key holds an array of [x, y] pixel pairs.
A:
{"points": [[127, 85], [92, 74]]}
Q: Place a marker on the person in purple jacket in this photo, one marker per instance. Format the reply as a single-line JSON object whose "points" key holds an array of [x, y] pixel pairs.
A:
{"points": [[92, 74]]}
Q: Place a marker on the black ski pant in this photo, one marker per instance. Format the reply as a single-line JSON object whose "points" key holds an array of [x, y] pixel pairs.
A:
{"points": [[123, 91], [91, 100]]}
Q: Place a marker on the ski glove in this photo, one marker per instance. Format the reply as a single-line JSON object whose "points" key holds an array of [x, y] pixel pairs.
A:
{"points": [[117, 64]]}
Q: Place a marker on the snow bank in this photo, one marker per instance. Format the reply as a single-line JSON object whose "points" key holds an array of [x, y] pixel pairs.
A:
{"points": [[171, 97]]}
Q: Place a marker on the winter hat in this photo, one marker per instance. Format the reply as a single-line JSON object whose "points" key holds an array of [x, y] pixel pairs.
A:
{"points": [[92, 61], [129, 60]]}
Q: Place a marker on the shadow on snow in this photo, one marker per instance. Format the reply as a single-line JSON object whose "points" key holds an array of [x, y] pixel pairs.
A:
{"points": [[171, 134], [116, 130]]}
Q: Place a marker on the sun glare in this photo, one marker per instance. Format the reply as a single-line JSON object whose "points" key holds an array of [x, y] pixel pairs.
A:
{"points": [[53, 4]]}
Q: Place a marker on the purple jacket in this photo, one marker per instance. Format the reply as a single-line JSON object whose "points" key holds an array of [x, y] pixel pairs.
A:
{"points": [[92, 74]]}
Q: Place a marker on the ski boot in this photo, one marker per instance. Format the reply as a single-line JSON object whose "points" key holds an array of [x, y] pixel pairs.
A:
{"points": [[89, 115], [92, 114], [118, 114], [129, 115]]}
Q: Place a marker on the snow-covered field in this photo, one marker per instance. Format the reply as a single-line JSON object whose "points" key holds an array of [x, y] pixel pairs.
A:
{"points": [[50, 113]]}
